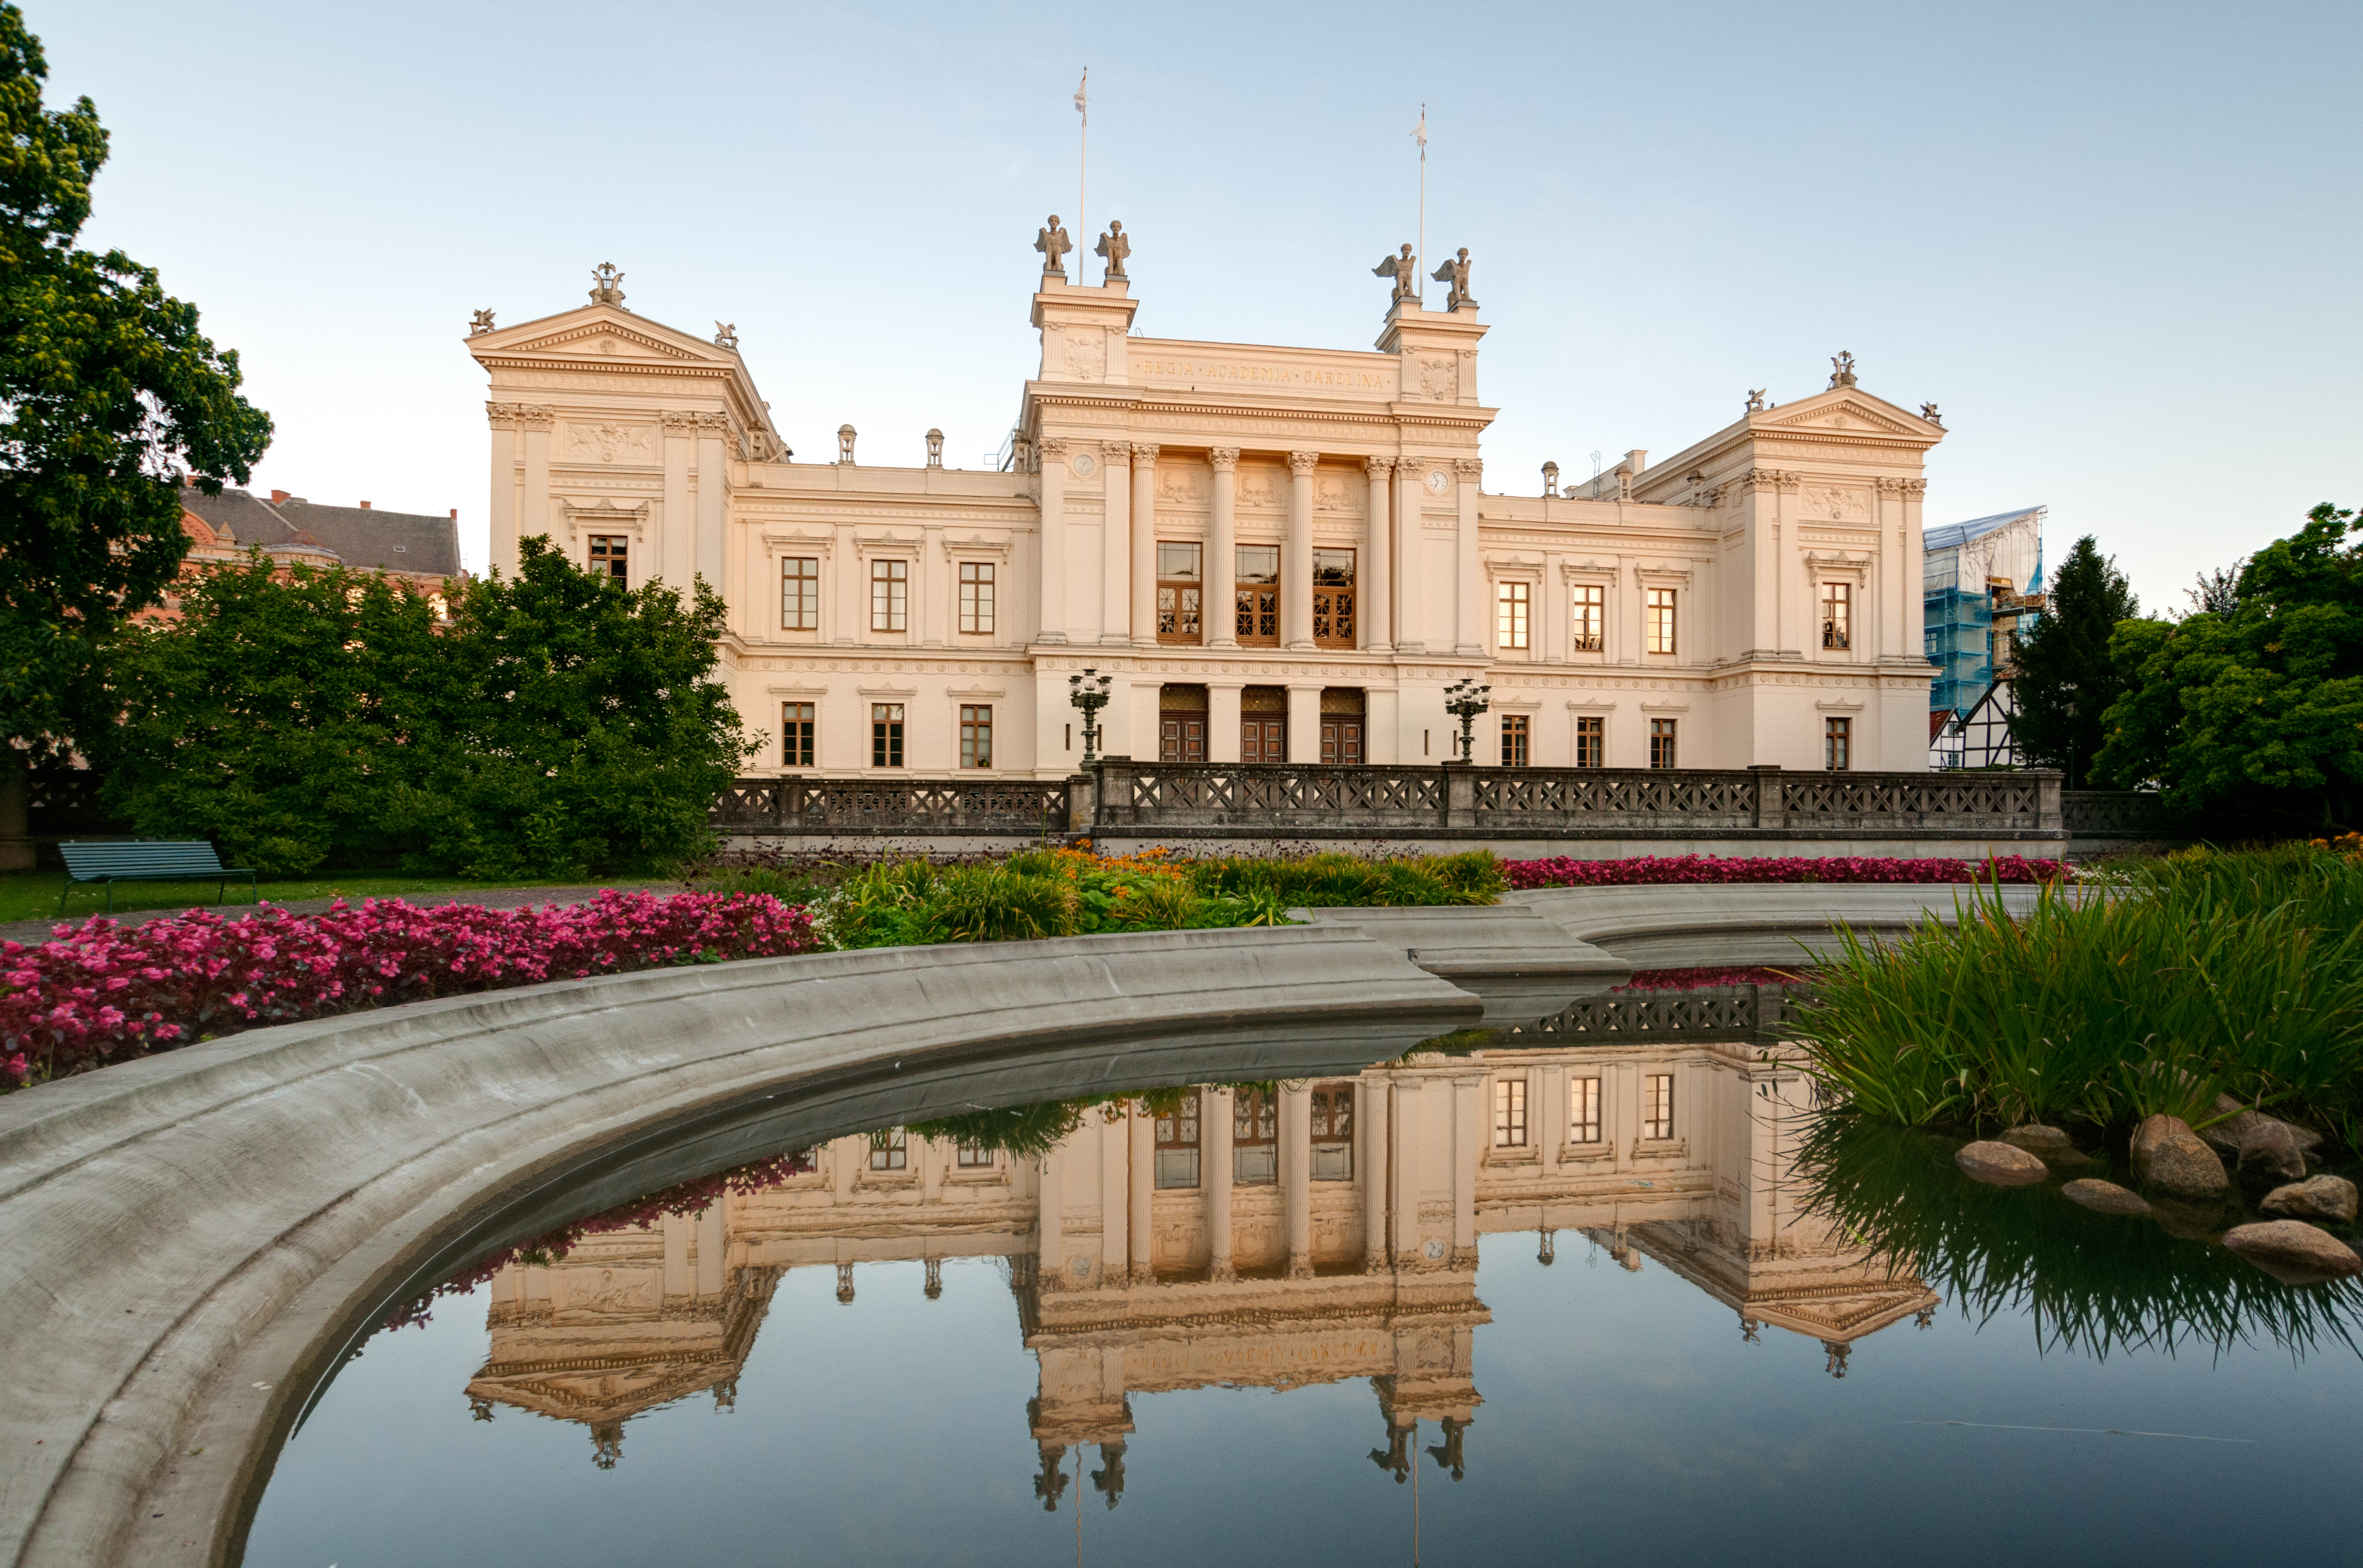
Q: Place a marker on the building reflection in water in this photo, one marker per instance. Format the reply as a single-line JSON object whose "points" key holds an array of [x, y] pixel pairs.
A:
{"points": [[1267, 1237]]}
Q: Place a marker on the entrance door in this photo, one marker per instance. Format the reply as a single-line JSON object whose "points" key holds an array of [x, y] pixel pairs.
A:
{"points": [[1263, 739], [1182, 737], [1341, 741]]}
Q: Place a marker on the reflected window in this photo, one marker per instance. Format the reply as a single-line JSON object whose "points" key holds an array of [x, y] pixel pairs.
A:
{"points": [[888, 1151], [1255, 586], [1509, 1113], [1657, 1120], [1583, 1111], [1659, 618], [1516, 737], [1510, 606], [1591, 611], [1591, 742], [1177, 1144], [1333, 598], [976, 598], [800, 593], [975, 1157], [1837, 615], [1837, 745], [1255, 1138], [1177, 594], [1333, 1132], [797, 735]]}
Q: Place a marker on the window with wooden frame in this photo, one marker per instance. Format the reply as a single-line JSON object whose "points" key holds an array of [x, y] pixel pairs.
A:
{"points": [[1333, 1132], [1255, 1137], [1258, 587], [1837, 745], [1512, 609], [1661, 743], [976, 598], [1589, 617], [975, 1157], [889, 1149], [800, 593], [1509, 1113], [1177, 1144], [1180, 592], [1591, 741], [1583, 1111], [797, 737], [976, 735], [1838, 615], [1657, 619], [609, 555], [1333, 598], [890, 596], [886, 734], [1517, 734], [1658, 1106]]}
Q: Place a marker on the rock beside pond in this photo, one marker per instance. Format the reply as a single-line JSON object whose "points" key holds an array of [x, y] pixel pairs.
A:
{"points": [[2189, 1220], [2105, 1197], [2321, 1198], [2294, 1252], [2049, 1144], [2268, 1153], [2154, 1131], [2225, 1136], [2001, 1163], [2179, 1164]]}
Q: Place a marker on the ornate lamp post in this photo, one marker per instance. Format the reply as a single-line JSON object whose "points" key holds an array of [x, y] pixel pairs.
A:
{"points": [[1089, 692], [1464, 700]]}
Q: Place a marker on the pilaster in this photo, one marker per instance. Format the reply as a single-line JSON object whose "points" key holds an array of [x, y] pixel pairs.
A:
{"points": [[1115, 542], [1052, 496], [1375, 593], [1143, 551], [1215, 1142], [1469, 567], [1221, 609], [1296, 567]]}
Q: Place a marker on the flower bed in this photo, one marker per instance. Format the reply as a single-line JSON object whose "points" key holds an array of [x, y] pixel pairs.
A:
{"points": [[1659, 869], [101, 992], [1712, 978]]}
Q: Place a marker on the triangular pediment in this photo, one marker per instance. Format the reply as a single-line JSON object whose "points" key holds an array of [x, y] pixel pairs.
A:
{"points": [[1843, 411], [603, 332]]}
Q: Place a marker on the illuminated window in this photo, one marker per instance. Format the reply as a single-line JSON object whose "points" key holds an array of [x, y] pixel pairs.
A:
{"points": [[1591, 742], [1837, 745], [1837, 615], [1590, 614], [976, 735], [1659, 619], [607, 555], [1509, 1113], [1513, 740], [1509, 609], [1177, 1144], [890, 596], [1179, 594], [800, 593], [976, 598], [1658, 1118], [1333, 1132], [1661, 743], [1583, 1111], [886, 734], [796, 726]]}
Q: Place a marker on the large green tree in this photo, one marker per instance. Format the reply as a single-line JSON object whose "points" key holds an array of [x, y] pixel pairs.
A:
{"points": [[2250, 714], [2065, 681], [558, 726], [107, 393]]}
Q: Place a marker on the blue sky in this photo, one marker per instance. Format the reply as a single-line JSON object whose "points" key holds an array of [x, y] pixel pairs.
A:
{"points": [[2117, 244]]}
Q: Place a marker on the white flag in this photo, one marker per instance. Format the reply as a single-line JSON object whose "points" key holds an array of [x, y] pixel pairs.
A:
{"points": [[1080, 88], [1419, 131]]}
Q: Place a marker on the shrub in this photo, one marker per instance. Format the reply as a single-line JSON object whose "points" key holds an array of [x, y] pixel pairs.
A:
{"points": [[993, 903], [1166, 903]]}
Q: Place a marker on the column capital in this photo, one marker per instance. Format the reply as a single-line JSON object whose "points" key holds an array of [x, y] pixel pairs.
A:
{"points": [[1378, 468], [1469, 468], [505, 416], [676, 422], [1225, 458], [1120, 451], [536, 416], [1302, 462], [1052, 447], [1145, 452]]}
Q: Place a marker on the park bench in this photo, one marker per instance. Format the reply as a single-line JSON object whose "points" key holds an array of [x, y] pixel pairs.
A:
{"points": [[146, 860]]}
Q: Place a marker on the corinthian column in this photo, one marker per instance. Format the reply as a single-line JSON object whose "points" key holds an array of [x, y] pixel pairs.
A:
{"points": [[1144, 545], [1221, 607], [1052, 488], [1296, 572], [1374, 594]]}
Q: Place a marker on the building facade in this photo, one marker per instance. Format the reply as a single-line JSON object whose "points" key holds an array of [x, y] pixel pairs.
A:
{"points": [[1278, 555]]}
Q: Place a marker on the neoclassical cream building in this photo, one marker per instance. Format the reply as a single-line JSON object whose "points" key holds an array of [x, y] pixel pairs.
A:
{"points": [[1278, 555]]}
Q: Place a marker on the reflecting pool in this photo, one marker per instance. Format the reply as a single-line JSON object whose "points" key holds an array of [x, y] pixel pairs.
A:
{"points": [[1611, 1287]]}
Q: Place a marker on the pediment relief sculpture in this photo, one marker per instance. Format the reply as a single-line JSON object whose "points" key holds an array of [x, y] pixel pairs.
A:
{"points": [[1834, 502], [610, 442], [1179, 484], [1331, 496], [1258, 487]]}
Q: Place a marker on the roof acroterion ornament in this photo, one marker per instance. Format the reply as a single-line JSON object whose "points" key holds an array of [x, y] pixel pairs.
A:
{"points": [[1842, 370], [1052, 242], [1403, 270], [606, 286], [1454, 275], [1113, 247], [480, 322]]}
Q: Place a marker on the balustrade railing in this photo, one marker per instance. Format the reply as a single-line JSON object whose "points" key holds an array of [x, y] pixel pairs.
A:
{"points": [[1003, 806], [1718, 1012]]}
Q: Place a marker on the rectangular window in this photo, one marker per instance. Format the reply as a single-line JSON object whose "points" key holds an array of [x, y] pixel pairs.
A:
{"points": [[1177, 1144], [1258, 596], [1180, 595], [1658, 1115], [607, 557], [1590, 617], [1591, 742], [1333, 1132], [886, 734], [887, 1150], [1509, 1113], [976, 735], [1255, 1138], [1513, 740], [1660, 620], [800, 593], [1661, 743], [1333, 598], [1837, 745], [1510, 608], [796, 727], [976, 598], [1583, 1111], [890, 596], [1837, 615], [974, 1157]]}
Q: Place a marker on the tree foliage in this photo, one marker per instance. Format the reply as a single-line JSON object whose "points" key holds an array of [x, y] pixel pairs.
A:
{"points": [[558, 725], [107, 393], [2251, 716], [2065, 681]]}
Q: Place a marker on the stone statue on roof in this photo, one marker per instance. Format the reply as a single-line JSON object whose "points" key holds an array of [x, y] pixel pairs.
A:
{"points": [[1842, 370], [606, 286], [1053, 242], [1454, 275], [1405, 270], [480, 322], [1928, 412], [1113, 247], [1756, 400], [726, 335]]}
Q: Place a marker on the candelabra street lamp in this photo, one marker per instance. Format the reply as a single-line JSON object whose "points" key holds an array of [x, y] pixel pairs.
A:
{"points": [[1089, 692], [1464, 700]]}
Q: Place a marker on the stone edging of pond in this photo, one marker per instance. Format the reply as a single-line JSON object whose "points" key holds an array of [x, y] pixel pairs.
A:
{"points": [[1745, 923]]}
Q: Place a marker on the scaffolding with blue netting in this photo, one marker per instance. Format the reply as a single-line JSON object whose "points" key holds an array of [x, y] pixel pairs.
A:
{"points": [[1957, 615]]}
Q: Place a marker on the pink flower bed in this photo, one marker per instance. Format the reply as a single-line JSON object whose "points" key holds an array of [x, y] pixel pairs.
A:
{"points": [[101, 992], [1704, 980], [1657, 870]]}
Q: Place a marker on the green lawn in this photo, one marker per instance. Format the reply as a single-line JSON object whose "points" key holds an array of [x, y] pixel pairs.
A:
{"points": [[33, 895]]}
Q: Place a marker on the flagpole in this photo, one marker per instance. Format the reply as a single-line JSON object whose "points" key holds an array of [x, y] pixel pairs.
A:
{"points": [[1083, 178], [1422, 205]]}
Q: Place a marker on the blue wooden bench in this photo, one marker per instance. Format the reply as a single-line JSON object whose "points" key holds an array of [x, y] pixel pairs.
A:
{"points": [[146, 860]]}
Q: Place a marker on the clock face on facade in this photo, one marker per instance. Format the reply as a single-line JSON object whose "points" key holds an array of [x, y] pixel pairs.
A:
{"points": [[1084, 465], [1439, 481]]}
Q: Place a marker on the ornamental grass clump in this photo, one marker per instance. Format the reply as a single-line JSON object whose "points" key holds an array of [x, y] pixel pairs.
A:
{"points": [[102, 991], [2238, 973]]}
